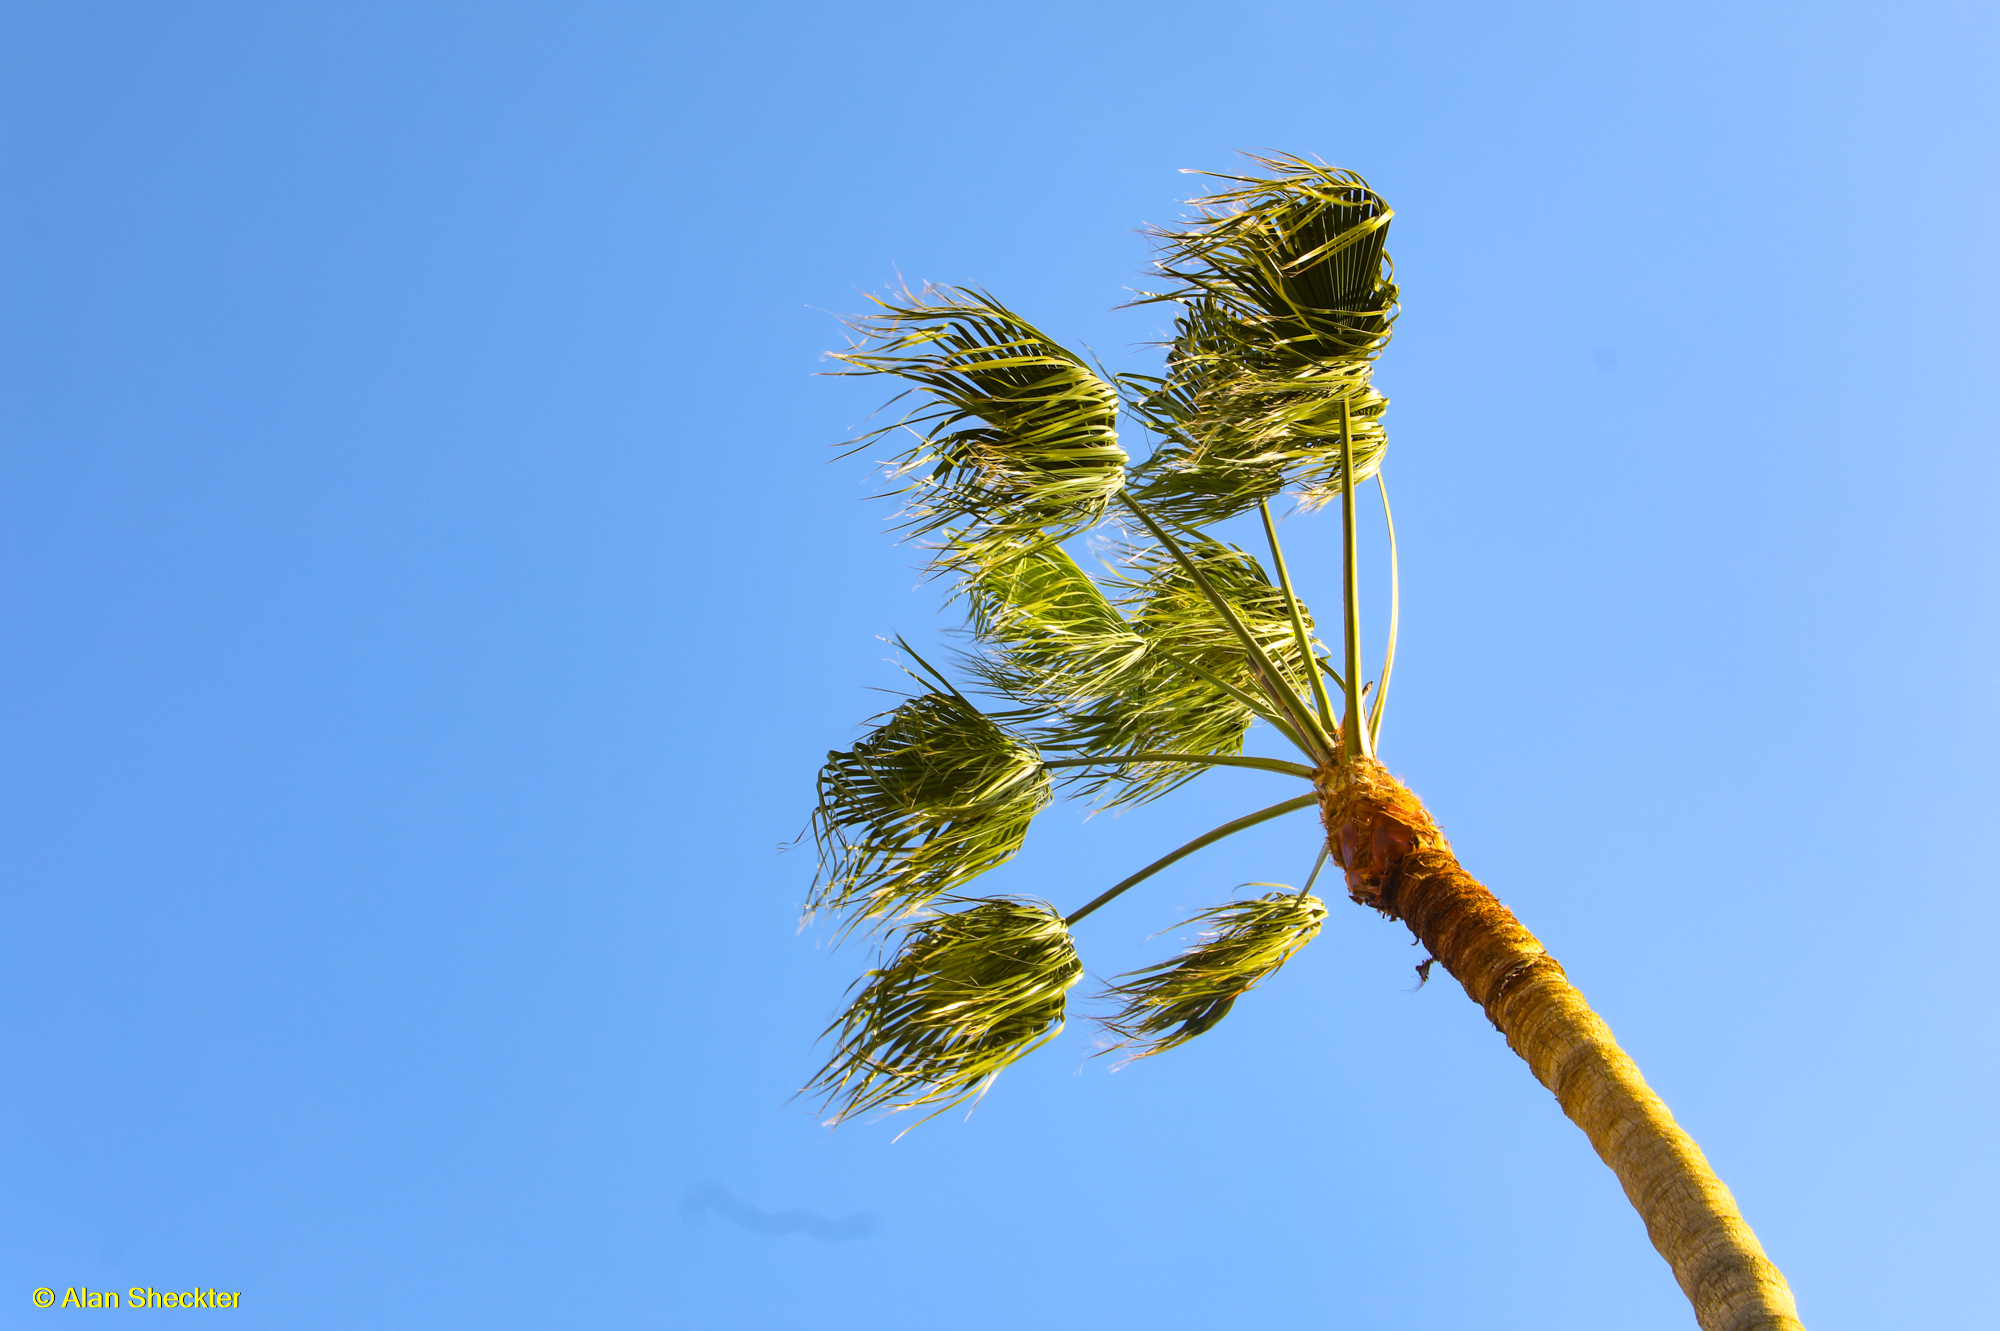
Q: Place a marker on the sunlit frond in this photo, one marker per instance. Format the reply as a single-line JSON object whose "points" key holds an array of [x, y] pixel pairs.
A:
{"points": [[1137, 663], [1012, 432], [1174, 702], [935, 796], [1170, 611], [1170, 1003], [1287, 300], [1051, 635], [964, 995]]}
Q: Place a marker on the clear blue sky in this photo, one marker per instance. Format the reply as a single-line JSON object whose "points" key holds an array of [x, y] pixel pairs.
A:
{"points": [[428, 598]]}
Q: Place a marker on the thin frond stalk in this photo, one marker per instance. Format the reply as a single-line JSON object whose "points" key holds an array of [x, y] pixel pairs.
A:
{"points": [[1200, 759], [1171, 1002], [1333, 675], [1318, 864], [1205, 839], [1395, 616], [1324, 703], [1353, 727], [964, 995]]}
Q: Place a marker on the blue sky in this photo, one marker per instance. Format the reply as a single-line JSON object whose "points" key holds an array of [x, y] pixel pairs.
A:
{"points": [[429, 598]]}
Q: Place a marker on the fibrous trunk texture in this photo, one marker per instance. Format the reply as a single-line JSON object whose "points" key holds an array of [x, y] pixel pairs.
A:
{"points": [[1398, 862]]}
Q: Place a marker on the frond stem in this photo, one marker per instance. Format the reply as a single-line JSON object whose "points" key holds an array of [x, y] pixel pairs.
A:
{"points": [[1209, 759], [1298, 618], [1395, 614], [1206, 839], [1318, 864], [1353, 725]]}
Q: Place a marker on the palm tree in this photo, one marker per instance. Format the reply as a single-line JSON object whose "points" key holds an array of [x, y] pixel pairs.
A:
{"points": [[1123, 687]]}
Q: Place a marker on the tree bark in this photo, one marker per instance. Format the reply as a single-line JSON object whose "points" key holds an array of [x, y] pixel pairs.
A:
{"points": [[1398, 862]]}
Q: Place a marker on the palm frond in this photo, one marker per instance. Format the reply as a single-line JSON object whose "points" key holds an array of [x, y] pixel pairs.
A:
{"points": [[935, 796], [1013, 432], [1287, 300], [1178, 621], [1275, 684], [964, 995], [1169, 678], [1052, 635], [1173, 1001], [1058, 646], [1139, 663]]}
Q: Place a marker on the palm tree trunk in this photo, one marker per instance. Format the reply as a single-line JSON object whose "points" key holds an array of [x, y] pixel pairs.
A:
{"points": [[1398, 862]]}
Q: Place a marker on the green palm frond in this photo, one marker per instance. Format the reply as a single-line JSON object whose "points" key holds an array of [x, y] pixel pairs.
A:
{"points": [[935, 796], [1287, 300], [1014, 433], [1182, 627], [1170, 1003], [1058, 647], [1301, 251], [964, 995], [1141, 663], [1052, 635]]}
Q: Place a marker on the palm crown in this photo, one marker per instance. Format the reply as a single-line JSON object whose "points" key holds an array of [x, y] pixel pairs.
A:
{"points": [[1122, 688], [1118, 688]]}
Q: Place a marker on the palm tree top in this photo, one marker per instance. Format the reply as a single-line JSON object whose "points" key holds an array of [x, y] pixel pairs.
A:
{"points": [[1116, 687], [1122, 687]]}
